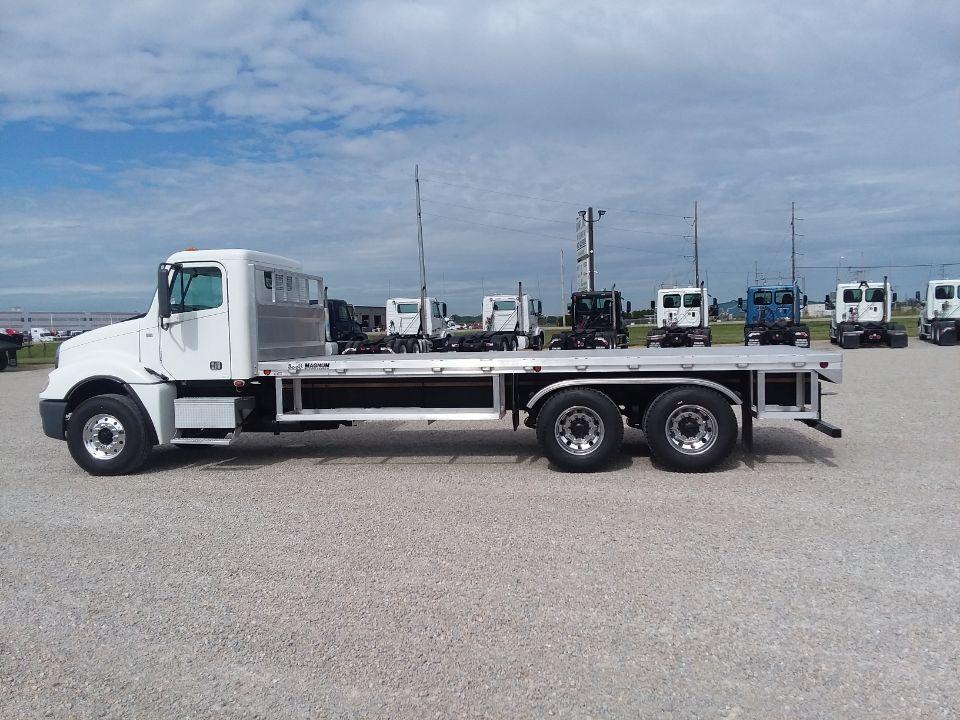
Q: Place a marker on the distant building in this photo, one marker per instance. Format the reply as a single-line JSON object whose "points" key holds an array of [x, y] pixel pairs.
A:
{"points": [[816, 310], [370, 316], [23, 320]]}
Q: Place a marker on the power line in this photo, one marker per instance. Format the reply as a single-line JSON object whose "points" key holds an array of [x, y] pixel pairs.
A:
{"points": [[492, 211], [873, 267], [497, 227], [543, 199]]}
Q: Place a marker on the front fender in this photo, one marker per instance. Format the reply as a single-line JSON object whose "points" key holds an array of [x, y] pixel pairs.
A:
{"points": [[119, 366]]}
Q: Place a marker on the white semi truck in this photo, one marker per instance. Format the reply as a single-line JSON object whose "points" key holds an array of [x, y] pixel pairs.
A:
{"points": [[236, 340], [939, 319], [510, 322], [861, 314], [682, 317]]}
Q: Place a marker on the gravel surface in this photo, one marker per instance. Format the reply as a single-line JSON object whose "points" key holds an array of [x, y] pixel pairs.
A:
{"points": [[442, 571]]}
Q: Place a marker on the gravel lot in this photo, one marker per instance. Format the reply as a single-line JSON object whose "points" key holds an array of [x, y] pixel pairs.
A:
{"points": [[446, 571]]}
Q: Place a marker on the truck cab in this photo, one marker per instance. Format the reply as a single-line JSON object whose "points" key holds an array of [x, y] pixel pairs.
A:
{"points": [[597, 322], [682, 318], [344, 328], [508, 322], [860, 314], [773, 316], [939, 320]]}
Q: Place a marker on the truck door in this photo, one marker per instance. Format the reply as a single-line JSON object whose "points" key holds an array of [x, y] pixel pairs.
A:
{"points": [[195, 339]]}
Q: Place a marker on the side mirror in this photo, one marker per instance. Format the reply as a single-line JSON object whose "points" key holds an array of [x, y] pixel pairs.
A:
{"points": [[804, 300], [653, 304], [443, 309], [629, 307], [569, 307], [740, 303], [163, 290], [715, 303], [916, 296], [826, 299], [894, 297], [539, 308]]}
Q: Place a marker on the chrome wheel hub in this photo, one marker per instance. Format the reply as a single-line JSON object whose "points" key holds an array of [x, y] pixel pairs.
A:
{"points": [[579, 430], [104, 436], [692, 429]]}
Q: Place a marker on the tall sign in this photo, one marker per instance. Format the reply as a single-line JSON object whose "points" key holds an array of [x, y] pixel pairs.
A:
{"points": [[585, 271]]}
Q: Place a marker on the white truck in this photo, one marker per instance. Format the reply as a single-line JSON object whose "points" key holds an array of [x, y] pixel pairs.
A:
{"points": [[860, 314], [236, 340], [510, 322], [409, 330], [682, 317], [939, 319]]}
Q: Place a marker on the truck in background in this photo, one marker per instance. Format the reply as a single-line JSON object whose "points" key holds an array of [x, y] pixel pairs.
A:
{"points": [[861, 314], [939, 319], [681, 319], [344, 328], [10, 342], [510, 322], [409, 330], [596, 321], [773, 316]]}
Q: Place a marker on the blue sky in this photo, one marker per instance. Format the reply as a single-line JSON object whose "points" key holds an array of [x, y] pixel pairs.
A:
{"points": [[128, 131]]}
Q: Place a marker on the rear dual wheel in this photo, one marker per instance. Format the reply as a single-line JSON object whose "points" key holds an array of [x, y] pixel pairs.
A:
{"points": [[580, 430], [690, 429]]}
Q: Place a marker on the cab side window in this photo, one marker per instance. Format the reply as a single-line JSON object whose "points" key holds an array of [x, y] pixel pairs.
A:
{"points": [[874, 295], [196, 288], [850, 296], [943, 292]]}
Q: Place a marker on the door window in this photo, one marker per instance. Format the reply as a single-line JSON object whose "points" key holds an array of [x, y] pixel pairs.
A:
{"points": [[762, 297], [873, 295], [784, 297], [691, 300], [671, 301], [943, 292], [853, 295], [196, 288]]}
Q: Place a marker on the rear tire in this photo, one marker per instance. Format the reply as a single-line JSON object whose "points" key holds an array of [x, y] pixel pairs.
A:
{"points": [[580, 430], [690, 429], [3, 360], [108, 435], [400, 347]]}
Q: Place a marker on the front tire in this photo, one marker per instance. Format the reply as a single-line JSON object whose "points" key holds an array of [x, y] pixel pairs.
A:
{"points": [[108, 435], [690, 429], [580, 430]]}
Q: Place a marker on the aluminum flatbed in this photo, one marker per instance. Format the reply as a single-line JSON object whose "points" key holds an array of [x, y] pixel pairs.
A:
{"points": [[570, 388]]}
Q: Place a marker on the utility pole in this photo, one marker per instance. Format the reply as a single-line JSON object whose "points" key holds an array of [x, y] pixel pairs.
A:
{"points": [[793, 243], [696, 245], [423, 268], [563, 314]]}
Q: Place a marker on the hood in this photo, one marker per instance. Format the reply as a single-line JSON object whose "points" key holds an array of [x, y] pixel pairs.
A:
{"points": [[124, 327]]}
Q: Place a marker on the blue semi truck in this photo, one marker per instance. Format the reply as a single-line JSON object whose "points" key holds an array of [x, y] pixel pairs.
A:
{"points": [[773, 316]]}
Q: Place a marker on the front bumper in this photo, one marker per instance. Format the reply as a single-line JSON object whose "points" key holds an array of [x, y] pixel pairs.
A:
{"points": [[53, 415]]}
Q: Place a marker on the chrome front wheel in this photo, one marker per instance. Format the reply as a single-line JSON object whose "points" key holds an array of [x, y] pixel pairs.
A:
{"points": [[104, 436]]}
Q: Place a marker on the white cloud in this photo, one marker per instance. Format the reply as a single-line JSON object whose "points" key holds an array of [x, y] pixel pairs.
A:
{"points": [[848, 109]]}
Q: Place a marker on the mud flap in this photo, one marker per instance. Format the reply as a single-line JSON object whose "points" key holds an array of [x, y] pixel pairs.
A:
{"points": [[897, 338]]}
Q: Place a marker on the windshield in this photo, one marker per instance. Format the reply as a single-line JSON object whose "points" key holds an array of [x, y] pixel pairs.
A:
{"points": [[671, 301], [408, 308], [499, 305], [762, 297], [691, 300], [784, 297]]}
